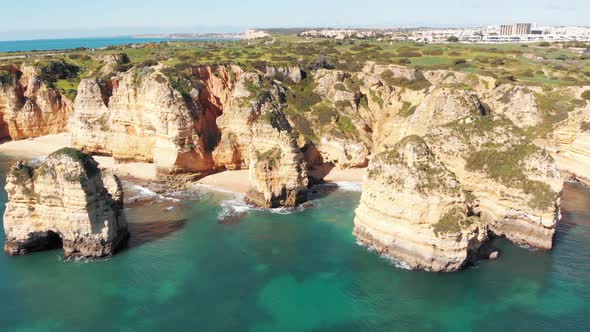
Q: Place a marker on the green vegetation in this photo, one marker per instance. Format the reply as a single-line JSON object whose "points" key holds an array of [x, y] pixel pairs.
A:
{"points": [[407, 109], [90, 166], [272, 157], [301, 97], [345, 126], [6, 77], [452, 222], [22, 172], [552, 65], [554, 107], [586, 95], [505, 165], [376, 98], [420, 83], [429, 174]]}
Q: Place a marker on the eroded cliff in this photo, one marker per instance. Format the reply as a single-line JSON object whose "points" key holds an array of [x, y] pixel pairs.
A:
{"points": [[30, 105], [63, 202]]}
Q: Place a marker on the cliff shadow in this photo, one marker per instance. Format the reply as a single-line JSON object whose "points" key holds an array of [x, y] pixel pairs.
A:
{"points": [[152, 220], [575, 209], [146, 232]]}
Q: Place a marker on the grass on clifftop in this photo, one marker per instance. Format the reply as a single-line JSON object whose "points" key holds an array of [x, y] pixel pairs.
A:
{"points": [[452, 222], [505, 166], [555, 65], [89, 164]]}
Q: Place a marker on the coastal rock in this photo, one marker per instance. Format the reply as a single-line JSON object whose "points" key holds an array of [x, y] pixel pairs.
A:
{"points": [[29, 107], [571, 145], [139, 117], [516, 103], [414, 210], [516, 183], [63, 202], [277, 169]]}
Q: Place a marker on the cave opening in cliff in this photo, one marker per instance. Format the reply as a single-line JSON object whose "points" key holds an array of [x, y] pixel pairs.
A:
{"points": [[49, 240]]}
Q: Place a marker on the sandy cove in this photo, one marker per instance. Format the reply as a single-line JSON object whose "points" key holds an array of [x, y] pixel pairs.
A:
{"points": [[235, 181]]}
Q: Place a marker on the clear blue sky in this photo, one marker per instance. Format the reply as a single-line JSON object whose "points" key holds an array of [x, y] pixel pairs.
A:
{"points": [[25, 19]]}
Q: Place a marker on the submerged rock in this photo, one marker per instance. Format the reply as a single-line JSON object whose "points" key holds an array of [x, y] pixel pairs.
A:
{"points": [[63, 202]]}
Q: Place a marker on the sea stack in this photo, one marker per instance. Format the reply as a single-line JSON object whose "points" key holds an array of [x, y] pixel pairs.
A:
{"points": [[413, 209], [66, 201]]}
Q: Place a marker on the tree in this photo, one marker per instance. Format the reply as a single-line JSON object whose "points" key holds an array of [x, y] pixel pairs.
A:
{"points": [[453, 39]]}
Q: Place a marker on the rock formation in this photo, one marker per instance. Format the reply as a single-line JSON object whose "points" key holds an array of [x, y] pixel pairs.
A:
{"points": [[413, 209], [139, 116], [63, 202], [514, 184], [30, 106]]}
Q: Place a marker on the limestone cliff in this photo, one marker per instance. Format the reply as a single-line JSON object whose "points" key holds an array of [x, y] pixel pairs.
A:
{"points": [[517, 183], [413, 209], [63, 202], [256, 132], [30, 106], [139, 116]]}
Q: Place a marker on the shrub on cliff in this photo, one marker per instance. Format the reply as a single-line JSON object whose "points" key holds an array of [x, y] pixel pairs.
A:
{"points": [[89, 164], [52, 71], [322, 62], [586, 94], [5, 78]]}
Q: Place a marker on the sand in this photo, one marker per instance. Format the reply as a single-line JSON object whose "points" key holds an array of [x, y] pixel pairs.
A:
{"points": [[237, 181], [39, 147], [234, 181]]}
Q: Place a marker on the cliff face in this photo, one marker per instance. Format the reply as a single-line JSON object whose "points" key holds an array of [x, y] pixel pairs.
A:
{"points": [[278, 172], [139, 116], [30, 107], [63, 202], [414, 209], [207, 119], [516, 183], [571, 144], [512, 184]]}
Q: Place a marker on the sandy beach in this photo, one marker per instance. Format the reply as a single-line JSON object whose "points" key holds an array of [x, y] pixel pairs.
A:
{"points": [[42, 146], [234, 181], [237, 181]]}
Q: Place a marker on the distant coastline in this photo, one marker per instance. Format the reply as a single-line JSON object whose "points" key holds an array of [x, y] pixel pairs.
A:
{"points": [[73, 43], [191, 36]]}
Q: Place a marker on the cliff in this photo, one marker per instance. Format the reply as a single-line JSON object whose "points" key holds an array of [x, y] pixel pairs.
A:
{"points": [[139, 116], [413, 209], [63, 202], [30, 105]]}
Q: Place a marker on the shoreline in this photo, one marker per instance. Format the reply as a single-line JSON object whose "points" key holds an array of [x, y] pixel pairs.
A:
{"points": [[228, 181]]}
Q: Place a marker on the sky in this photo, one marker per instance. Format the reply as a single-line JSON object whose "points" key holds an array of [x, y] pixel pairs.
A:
{"points": [[37, 19]]}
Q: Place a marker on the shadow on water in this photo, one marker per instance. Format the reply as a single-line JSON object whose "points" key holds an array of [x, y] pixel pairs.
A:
{"points": [[153, 220], [145, 232], [575, 204]]}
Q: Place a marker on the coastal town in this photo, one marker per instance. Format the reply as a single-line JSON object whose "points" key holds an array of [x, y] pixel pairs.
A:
{"points": [[506, 33]]}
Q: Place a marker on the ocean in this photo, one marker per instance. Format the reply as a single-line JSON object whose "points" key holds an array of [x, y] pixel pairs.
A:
{"points": [[64, 44], [298, 271]]}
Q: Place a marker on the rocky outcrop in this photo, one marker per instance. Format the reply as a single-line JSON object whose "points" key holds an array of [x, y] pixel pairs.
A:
{"points": [[255, 131], [139, 116], [516, 183], [30, 106], [571, 145], [63, 202], [414, 210], [511, 184]]}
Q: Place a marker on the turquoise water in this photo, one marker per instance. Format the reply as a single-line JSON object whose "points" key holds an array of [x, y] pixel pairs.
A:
{"points": [[64, 44], [294, 272]]}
